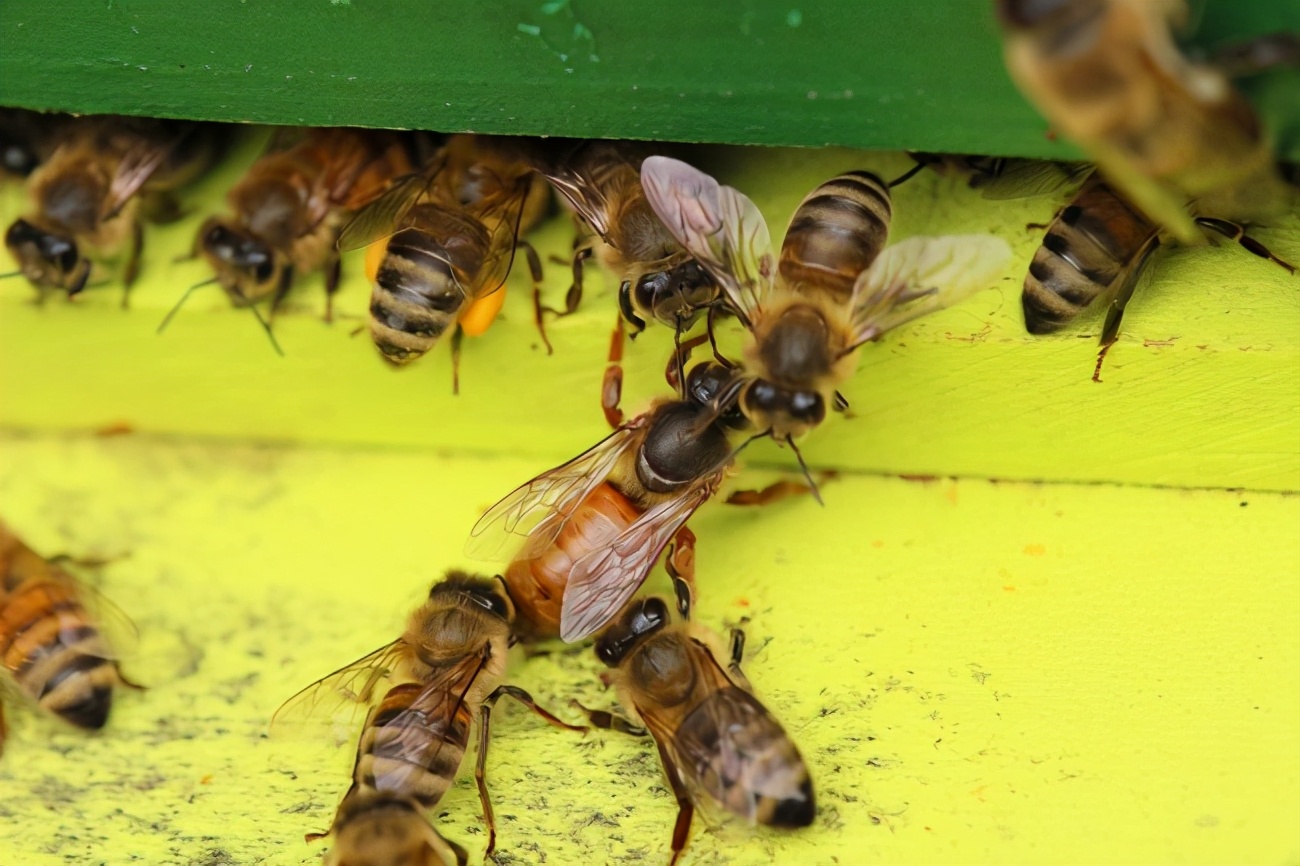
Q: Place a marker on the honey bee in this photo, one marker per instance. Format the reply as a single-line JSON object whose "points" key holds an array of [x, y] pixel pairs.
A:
{"points": [[717, 742], [287, 210], [372, 828], [27, 138], [835, 287], [448, 666], [1166, 132], [90, 196], [441, 244], [659, 281], [588, 532], [49, 643]]}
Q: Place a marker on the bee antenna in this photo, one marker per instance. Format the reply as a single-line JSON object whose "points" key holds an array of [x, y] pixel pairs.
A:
{"points": [[907, 175], [176, 309], [17, 273], [741, 447], [812, 485]]}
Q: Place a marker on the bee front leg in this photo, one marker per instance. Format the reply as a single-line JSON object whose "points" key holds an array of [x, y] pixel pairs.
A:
{"points": [[680, 565], [611, 386], [1237, 233], [333, 276], [685, 808], [535, 271]]}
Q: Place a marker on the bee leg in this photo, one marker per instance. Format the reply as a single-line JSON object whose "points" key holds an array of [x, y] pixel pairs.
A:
{"points": [[573, 297], [778, 490], [607, 721], [480, 766], [457, 851], [675, 372], [535, 271], [281, 292], [132, 262], [1236, 232], [841, 403], [457, 337], [685, 809], [737, 655], [611, 386], [709, 323], [680, 565], [333, 276]]}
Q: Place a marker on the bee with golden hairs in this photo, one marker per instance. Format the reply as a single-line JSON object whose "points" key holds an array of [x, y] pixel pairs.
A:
{"points": [[716, 741], [1167, 132], [287, 210], [90, 197], [584, 536], [835, 287], [50, 645], [372, 828], [658, 281], [441, 244], [448, 667]]}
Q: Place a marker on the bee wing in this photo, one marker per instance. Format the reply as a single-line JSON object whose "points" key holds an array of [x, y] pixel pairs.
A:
{"points": [[137, 165], [603, 581], [379, 219], [576, 186], [506, 214], [551, 496], [413, 738], [717, 225], [921, 275], [734, 750], [1029, 178], [337, 698], [121, 636]]}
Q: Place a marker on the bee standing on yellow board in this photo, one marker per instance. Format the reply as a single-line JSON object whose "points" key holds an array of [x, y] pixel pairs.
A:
{"points": [[1167, 132], [835, 287], [658, 280], [377, 829], [90, 196], [287, 210], [448, 667], [716, 741], [49, 643], [441, 244]]}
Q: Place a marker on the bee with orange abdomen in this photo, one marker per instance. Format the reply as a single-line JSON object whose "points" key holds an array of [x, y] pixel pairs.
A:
{"points": [[441, 244], [447, 668], [50, 644], [717, 742], [587, 533], [658, 280], [835, 287], [90, 197], [287, 210], [378, 829]]}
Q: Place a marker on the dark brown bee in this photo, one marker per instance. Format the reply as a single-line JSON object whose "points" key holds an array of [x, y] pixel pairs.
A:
{"points": [[90, 197], [49, 643], [449, 668], [717, 742]]}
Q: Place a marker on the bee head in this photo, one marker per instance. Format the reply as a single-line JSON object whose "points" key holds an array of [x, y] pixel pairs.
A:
{"points": [[48, 259], [642, 619], [247, 268]]}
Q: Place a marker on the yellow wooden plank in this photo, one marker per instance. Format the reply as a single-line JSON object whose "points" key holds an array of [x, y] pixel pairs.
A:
{"points": [[1200, 391], [976, 672]]}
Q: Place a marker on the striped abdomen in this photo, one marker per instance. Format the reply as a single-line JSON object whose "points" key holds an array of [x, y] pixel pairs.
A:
{"points": [[47, 641], [836, 233], [428, 275], [1096, 244], [753, 769], [539, 573], [418, 754]]}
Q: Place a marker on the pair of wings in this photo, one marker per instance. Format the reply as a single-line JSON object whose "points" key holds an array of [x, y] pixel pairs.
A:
{"points": [[719, 746], [336, 701], [604, 579], [724, 230], [144, 145]]}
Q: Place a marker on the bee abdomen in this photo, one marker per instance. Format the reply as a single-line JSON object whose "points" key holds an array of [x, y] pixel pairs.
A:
{"points": [[56, 655], [412, 754], [837, 232], [416, 297]]}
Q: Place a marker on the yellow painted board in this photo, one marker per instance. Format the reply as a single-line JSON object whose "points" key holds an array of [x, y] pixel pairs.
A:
{"points": [[976, 672], [1203, 389]]}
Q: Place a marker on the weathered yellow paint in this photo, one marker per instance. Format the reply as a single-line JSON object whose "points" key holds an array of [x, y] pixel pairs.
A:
{"points": [[976, 672], [1201, 391]]}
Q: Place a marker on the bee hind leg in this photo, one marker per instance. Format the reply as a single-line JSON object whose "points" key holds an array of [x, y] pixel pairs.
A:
{"points": [[535, 272], [608, 721], [611, 386], [685, 809], [1237, 233]]}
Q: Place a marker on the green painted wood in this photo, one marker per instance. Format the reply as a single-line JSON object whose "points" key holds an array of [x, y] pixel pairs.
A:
{"points": [[891, 74]]}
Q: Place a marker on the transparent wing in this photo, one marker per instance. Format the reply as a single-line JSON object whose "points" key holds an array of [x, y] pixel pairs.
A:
{"points": [[716, 224], [503, 214], [570, 178], [552, 496], [412, 738], [603, 581], [380, 218], [1028, 178], [920, 275], [137, 165], [339, 698]]}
